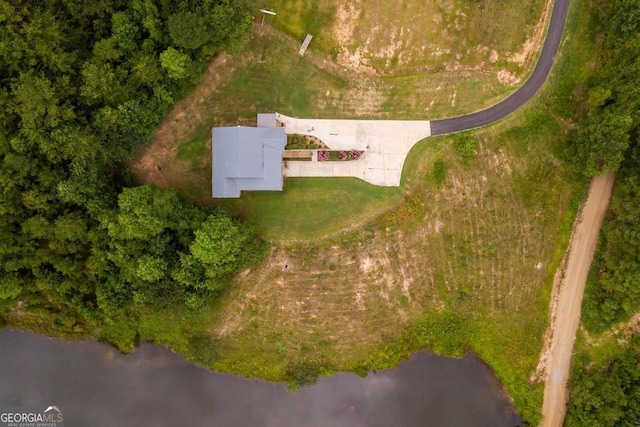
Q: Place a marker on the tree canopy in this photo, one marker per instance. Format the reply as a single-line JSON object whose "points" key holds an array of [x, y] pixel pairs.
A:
{"points": [[82, 84], [610, 128], [606, 392], [610, 141], [605, 379]]}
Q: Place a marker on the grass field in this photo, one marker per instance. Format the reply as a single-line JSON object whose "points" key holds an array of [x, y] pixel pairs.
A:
{"points": [[460, 257], [269, 75], [414, 36], [310, 208]]}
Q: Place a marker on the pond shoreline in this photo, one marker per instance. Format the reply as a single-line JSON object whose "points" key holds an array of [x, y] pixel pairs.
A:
{"points": [[154, 386]]}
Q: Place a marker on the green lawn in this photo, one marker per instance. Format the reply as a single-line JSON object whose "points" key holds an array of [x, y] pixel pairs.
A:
{"points": [[310, 208], [193, 151]]}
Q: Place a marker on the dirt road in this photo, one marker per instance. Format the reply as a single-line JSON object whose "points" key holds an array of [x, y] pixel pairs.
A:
{"points": [[565, 324]]}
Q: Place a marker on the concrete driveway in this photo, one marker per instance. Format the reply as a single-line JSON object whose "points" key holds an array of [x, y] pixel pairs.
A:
{"points": [[385, 143]]}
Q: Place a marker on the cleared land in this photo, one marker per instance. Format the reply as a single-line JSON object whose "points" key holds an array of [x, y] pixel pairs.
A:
{"points": [[461, 256], [565, 324], [417, 36], [470, 245], [423, 82]]}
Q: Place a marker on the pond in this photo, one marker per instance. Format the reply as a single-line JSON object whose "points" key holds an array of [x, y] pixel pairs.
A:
{"points": [[94, 385]]}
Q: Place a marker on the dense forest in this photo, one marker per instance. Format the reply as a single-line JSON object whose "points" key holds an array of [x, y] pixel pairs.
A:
{"points": [[82, 85], [609, 139], [605, 382], [605, 386]]}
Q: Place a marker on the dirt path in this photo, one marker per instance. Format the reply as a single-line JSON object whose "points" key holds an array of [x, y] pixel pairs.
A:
{"points": [[157, 162], [565, 323]]}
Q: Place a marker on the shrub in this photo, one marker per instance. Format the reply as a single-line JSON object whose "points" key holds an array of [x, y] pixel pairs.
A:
{"points": [[466, 146], [303, 373], [355, 154]]}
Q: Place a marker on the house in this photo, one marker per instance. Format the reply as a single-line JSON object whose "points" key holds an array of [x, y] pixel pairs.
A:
{"points": [[247, 158]]}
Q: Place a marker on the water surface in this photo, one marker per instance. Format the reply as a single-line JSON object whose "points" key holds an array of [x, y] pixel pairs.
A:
{"points": [[94, 385]]}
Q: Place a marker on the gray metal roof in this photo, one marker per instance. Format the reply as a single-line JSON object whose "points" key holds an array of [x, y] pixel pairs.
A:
{"points": [[246, 158]]}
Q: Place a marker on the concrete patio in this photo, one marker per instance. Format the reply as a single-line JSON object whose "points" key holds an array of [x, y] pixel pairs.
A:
{"points": [[386, 144]]}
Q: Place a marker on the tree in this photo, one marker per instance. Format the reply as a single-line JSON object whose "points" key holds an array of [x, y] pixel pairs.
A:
{"points": [[622, 20], [143, 212], [189, 29], [124, 31], [598, 96], [40, 111], [190, 272], [600, 145], [230, 25], [175, 63], [218, 246], [100, 84], [112, 296], [10, 288], [606, 392], [150, 268], [146, 69], [106, 50]]}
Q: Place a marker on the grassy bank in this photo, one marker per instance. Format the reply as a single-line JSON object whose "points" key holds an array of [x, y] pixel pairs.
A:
{"points": [[463, 262], [310, 208]]}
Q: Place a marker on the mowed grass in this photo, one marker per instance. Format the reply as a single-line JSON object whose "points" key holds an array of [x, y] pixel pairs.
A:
{"points": [[441, 94], [302, 17], [310, 208], [268, 76], [193, 151], [460, 257]]}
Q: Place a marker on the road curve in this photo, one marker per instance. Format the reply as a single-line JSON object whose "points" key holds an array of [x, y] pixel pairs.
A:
{"points": [[522, 95]]}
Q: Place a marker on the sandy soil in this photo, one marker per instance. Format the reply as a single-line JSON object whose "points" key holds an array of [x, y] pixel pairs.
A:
{"points": [[157, 162], [567, 317]]}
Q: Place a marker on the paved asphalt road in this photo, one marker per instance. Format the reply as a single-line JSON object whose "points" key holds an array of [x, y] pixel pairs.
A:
{"points": [[522, 95]]}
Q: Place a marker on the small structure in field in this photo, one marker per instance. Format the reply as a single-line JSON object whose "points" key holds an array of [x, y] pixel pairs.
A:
{"points": [[305, 44], [247, 158]]}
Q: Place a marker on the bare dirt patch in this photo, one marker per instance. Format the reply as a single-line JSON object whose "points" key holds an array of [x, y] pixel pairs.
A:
{"points": [[532, 45], [507, 78], [344, 27], [632, 327], [563, 329], [431, 35]]}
